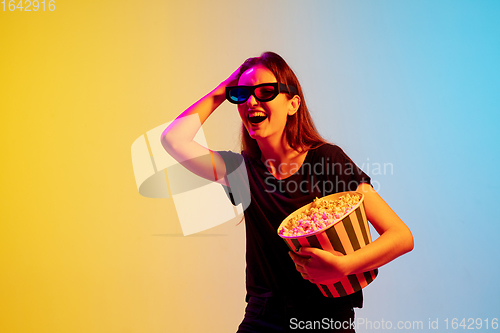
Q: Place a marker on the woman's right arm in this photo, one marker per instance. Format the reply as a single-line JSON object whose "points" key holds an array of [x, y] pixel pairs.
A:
{"points": [[178, 138]]}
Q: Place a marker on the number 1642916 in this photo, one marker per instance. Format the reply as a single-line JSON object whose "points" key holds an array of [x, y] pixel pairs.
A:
{"points": [[28, 5], [471, 323]]}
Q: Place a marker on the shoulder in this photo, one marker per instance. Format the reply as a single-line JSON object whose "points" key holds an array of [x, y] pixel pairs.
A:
{"points": [[327, 149], [331, 154], [234, 160], [231, 159], [227, 154]]}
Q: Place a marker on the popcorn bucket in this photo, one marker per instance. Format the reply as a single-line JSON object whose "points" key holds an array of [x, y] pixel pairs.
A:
{"points": [[346, 235]]}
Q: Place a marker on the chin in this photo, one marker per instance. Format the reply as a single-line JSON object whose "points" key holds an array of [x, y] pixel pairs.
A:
{"points": [[254, 136]]}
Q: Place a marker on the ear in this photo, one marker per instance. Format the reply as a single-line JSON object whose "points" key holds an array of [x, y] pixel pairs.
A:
{"points": [[293, 105]]}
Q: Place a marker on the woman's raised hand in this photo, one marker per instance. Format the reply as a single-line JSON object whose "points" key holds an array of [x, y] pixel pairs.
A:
{"points": [[178, 138], [232, 80]]}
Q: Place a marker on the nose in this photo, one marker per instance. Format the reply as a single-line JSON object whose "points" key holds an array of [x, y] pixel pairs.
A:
{"points": [[251, 101]]}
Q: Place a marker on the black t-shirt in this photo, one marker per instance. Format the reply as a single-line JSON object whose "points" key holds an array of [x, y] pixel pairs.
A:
{"points": [[270, 271]]}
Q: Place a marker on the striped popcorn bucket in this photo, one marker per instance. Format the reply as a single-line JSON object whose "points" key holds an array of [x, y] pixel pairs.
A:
{"points": [[346, 235]]}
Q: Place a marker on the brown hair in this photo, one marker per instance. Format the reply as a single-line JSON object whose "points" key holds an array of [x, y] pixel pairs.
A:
{"points": [[300, 132]]}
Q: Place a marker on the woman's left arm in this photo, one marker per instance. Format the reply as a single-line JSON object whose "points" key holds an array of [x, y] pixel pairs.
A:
{"points": [[395, 239]]}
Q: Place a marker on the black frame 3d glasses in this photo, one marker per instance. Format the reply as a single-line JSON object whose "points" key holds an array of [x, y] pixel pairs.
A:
{"points": [[264, 92]]}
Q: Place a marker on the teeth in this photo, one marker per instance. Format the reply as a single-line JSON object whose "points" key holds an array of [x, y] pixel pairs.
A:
{"points": [[256, 117], [257, 114]]}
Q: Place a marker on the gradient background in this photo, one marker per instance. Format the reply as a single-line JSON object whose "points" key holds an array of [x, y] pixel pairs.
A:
{"points": [[410, 83]]}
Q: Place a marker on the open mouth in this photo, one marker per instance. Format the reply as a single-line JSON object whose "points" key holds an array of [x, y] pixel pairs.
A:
{"points": [[257, 117]]}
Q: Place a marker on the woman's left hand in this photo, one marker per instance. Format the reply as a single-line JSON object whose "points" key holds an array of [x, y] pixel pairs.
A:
{"points": [[319, 266]]}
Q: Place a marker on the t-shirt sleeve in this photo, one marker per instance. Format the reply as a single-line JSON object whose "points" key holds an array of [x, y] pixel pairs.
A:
{"points": [[238, 190], [348, 174]]}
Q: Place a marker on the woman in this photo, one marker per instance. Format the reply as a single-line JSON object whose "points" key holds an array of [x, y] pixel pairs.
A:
{"points": [[288, 164]]}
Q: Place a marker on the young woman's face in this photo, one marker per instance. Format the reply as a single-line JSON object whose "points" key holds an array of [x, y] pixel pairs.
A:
{"points": [[264, 120]]}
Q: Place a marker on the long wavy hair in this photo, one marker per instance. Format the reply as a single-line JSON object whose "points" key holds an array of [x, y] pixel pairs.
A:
{"points": [[300, 132]]}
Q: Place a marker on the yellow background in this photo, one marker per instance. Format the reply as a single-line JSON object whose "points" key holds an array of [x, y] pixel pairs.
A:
{"points": [[81, 250]]}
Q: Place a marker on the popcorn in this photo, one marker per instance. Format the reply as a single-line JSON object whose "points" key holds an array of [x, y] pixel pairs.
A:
{"points": [[321, 215], [336, 222]]}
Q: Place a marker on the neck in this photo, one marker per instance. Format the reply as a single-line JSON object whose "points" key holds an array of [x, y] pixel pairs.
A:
{"points": [[280, 159], [276, 150]]}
